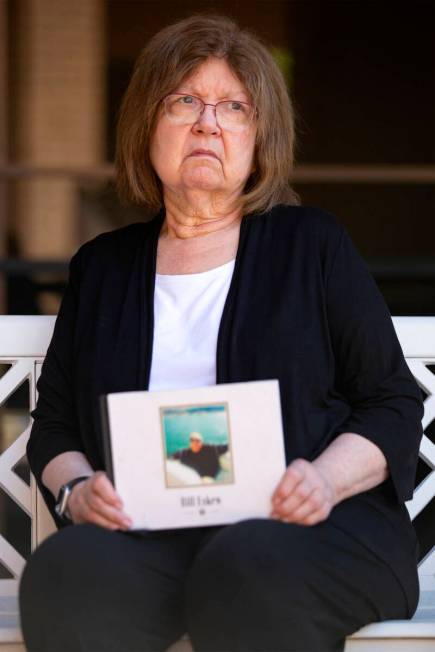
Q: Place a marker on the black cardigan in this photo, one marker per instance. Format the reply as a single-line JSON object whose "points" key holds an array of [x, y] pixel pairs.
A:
{"points": [[302, 307]]}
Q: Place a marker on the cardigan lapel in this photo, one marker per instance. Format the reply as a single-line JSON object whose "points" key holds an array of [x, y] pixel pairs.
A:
{"points": [[123, 338], [224, 353], [146, 300]]}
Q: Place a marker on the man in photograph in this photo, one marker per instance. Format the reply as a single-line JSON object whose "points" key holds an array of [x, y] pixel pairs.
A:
{"points": [[203, 458]]}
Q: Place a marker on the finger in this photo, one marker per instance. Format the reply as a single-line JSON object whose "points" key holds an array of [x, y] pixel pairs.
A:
{"points": [[317, 516], [315, 502], [292, 477], [300, 495], [84, 504], [97, 505], [104, 488]]}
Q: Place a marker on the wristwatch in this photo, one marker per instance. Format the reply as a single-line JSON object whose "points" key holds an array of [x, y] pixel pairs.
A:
{"points": [[62, 499]]}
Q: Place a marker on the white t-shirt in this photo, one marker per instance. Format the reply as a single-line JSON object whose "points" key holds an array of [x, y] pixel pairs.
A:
{"points": [[187, 313]]}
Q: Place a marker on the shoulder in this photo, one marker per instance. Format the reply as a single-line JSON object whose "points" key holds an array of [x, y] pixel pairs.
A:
{"points": [[306, 226], [112, 249], [115, 241], [304, 218]]}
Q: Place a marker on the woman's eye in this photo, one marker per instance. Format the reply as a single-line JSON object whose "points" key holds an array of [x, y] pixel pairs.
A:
{"points": [[187, 99], [236, 106]]}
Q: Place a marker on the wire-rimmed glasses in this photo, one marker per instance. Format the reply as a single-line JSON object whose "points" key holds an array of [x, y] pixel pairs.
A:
{"points": [[232, 115]]}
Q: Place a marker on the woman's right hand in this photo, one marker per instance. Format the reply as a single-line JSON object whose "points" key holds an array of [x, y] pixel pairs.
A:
{"points": [[95, 500]]}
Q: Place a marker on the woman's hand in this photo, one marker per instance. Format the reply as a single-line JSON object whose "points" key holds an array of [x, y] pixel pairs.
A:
{"points": [[308, 491], [304, 495], [96, 501]]}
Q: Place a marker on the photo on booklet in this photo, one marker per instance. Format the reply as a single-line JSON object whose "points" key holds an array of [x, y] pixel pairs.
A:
{"points": [[196, 445]]}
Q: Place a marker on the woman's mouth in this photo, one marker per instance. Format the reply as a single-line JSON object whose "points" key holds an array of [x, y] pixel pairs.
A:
{"points": [[203, 152]]}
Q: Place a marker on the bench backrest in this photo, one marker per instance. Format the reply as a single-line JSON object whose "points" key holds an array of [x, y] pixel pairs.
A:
{"points": [[23, 343]]}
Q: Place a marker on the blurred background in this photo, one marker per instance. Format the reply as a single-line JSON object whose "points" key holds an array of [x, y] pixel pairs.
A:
{"points": [[362, 77]]}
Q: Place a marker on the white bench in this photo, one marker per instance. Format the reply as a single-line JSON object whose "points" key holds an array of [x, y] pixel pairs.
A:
{"points": [[23, 343]]}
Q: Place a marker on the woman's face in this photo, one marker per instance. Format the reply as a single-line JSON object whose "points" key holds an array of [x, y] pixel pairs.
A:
{"points": [[174, 147]]}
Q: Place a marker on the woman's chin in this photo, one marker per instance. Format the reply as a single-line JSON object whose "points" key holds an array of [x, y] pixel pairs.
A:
{"points": [[202, 179]]}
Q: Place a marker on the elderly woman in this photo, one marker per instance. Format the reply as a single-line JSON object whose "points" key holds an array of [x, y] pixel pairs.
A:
{"points": [[231, 281]]}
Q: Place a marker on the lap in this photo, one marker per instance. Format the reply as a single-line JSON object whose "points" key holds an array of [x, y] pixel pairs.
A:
{"points": [[251, 579], [255, 550]]}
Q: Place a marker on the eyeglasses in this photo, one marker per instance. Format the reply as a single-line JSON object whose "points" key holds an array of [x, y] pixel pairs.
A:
{"points": [[231, 115]]}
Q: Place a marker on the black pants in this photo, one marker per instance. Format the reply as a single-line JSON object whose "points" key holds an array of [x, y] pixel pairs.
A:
{"points": [[258, 585]]}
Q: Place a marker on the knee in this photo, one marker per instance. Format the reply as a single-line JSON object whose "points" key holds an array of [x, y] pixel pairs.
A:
{"points": [[254, 550], [62, 559], [258, 561]]}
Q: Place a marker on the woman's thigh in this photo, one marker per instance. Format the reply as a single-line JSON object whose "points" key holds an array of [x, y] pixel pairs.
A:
{"points": [[90, 589], [267, 585]]}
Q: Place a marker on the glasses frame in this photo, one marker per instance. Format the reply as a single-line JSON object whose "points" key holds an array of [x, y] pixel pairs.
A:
{"points": [[204, 104]]}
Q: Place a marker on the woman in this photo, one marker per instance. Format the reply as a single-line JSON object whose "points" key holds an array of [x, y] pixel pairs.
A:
{"points": [[231, 281]]}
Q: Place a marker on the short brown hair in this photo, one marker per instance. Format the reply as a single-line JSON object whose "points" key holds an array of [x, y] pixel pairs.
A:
{"points": [[169, 57]]}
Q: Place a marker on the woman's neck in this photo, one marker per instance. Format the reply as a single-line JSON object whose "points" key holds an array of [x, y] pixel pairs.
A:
{"points": [[190, 244], [200, 216]]}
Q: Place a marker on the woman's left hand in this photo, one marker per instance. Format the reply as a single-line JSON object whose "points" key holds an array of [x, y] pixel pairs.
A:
{"points": [[304, 495]]}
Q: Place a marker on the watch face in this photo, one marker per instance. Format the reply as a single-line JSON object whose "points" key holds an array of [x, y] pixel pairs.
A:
{"points": [[62, 499], [60, 506]]}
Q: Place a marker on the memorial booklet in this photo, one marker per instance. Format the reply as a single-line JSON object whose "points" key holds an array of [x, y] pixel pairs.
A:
{"points": [[195, 457]]}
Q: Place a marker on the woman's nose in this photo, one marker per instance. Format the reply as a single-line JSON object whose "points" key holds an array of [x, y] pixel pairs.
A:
{"points": [[207, 122]]}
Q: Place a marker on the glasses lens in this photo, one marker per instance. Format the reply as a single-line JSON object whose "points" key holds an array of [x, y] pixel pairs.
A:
{"points": [[182, 108], [186, 109], [233, 115]]}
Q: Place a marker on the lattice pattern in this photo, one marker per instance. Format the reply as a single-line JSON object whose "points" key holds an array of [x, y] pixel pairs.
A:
{"points": [[20, 371], [425, 491]]}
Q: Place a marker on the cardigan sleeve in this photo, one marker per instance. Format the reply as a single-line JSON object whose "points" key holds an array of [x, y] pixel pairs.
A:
{"points": [[371, 371], [55, 428]]}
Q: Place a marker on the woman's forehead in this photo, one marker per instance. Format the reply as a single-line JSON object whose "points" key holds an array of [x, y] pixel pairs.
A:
{"points": [[215, 78]]}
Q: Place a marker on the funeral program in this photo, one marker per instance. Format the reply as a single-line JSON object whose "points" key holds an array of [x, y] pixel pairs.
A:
{"points": [[195, 457]]}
